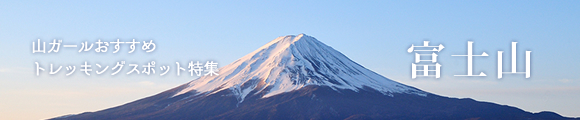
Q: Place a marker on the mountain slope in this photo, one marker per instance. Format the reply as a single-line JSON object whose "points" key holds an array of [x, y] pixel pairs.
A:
{"points": [[298, 77]]}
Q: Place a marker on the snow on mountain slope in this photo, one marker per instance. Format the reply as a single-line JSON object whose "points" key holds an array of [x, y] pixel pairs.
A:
{"points": [[292, 62]]}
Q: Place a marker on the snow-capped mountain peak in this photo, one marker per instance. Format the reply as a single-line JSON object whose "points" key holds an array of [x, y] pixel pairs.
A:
{"points": [[289, 63]]}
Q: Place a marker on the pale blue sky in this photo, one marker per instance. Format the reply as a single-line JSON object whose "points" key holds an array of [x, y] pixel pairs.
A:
{"points": [[376, 34]]}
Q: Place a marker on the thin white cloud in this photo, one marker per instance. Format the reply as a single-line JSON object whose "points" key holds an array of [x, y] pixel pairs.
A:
{"points": [[4, 70], [565, 80]]}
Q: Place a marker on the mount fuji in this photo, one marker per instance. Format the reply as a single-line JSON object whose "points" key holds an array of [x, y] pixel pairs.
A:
{"points": [[299, 77]]}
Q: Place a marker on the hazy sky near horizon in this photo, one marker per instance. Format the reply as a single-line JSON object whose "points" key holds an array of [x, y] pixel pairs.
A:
{"points": [[375, 34]]}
